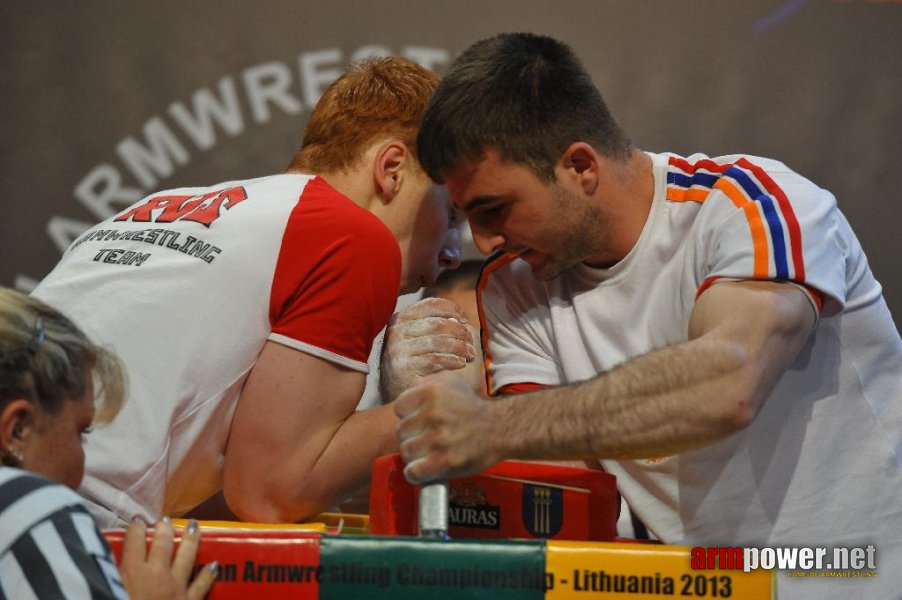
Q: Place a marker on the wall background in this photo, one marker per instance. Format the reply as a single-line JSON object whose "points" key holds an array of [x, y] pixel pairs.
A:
{"points": [[103, 102]]}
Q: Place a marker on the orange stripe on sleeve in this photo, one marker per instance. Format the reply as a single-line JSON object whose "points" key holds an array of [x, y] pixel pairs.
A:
{"points": [[756, 225], [675, 194]]}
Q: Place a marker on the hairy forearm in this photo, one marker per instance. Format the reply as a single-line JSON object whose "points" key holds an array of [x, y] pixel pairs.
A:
{"points": [[670, 400], [667, 401]]}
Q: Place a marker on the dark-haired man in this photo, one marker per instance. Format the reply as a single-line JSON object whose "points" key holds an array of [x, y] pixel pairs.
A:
{"points": [[707, 328]]}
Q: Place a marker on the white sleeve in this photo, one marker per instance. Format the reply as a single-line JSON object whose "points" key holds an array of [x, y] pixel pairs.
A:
{"points": [[774, 225], [517, 347]]}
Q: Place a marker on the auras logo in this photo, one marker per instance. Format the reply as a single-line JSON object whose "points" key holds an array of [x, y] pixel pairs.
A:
{"points": [[203, 209], [467, 507]]}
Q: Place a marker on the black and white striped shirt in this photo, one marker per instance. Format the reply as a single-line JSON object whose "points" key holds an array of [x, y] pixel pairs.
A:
{"points": [[49, 544]]}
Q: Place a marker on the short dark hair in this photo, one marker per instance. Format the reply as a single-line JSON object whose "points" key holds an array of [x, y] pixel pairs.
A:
{"points": [[527, 96], [465, 276]]}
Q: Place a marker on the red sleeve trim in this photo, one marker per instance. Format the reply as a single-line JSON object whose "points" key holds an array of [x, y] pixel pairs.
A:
{"points": [[705, 285], [519, 388], [492, 264]]}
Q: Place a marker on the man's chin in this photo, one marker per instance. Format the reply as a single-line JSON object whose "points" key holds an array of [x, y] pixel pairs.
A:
{"points": [[549, 269], [543, 266]]}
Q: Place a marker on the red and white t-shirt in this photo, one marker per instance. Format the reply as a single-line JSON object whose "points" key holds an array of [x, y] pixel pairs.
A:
{"points": [[186, 286], [822, 463]]}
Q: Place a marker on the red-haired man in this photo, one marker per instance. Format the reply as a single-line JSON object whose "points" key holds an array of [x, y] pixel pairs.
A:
{"points": [[245, 313]]}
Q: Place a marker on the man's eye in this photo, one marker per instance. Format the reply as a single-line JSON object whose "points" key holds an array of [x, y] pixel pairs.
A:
{"points": [[492, 211]]}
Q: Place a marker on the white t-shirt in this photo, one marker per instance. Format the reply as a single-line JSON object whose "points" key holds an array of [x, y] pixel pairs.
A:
{"points": [[822, 463], [186, 287]]}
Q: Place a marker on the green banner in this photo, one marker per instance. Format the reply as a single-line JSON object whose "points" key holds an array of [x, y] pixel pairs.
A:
{"points": [[398, 568]]}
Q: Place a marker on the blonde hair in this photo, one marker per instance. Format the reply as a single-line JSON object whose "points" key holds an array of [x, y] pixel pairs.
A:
{"points": [[46, 359]]}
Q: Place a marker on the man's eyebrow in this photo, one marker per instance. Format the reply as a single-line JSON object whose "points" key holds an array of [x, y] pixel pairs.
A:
{"points": [[477, 202]]}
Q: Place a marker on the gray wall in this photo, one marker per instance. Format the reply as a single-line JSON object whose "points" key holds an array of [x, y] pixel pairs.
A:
{"points": [[100, 100]]}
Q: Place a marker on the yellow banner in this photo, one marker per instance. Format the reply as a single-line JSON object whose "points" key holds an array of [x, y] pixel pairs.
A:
{"points": [[581, 570]]}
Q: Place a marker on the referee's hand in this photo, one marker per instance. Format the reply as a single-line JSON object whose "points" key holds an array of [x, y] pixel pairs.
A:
{"points": [[154, 573]]}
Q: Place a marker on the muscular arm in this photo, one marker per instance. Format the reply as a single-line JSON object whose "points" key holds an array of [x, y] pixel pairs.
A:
{"points": [[742, 337], [296, 443]]}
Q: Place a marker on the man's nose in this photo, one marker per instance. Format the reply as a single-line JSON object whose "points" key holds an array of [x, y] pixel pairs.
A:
{"points": [[449, 256], [487, 242]]}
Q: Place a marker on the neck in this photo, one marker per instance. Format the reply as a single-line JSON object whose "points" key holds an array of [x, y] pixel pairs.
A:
{"points": [[352, 184], [628, 187]]}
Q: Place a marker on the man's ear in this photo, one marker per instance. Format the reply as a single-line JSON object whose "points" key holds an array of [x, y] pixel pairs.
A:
{"points": [[388, 169], [581, 161], [16, 420]]}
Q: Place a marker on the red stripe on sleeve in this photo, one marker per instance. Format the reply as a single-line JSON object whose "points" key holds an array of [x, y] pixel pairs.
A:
{"points": [[792, 224]]}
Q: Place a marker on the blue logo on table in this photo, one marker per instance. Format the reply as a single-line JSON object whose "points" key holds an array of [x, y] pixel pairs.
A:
{"points": [[543, 510]]}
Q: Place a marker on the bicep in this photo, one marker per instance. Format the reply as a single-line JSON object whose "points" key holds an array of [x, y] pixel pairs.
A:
{"points": [[767, 320]]}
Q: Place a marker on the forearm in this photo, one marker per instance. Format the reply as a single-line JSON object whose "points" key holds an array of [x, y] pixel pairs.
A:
{"points": [[346, 462], [668, 401], [317, 471]]}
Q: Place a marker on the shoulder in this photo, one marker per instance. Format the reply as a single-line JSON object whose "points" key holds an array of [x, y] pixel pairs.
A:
{"points": [[17, 485], [51, 545], [327, 223], [321, 205], [744, 183]]}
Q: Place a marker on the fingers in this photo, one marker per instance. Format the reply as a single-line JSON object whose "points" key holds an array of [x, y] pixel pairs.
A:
{"points": [[430, 457], [427, 326], [204, 580], [418, 472], [432, 330], [431, 307], [419, 365], [183, 563], [406, 405], [161, 546], [156, 573], [446, 429], [434, 345], [420, 428], [134, 549]]}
